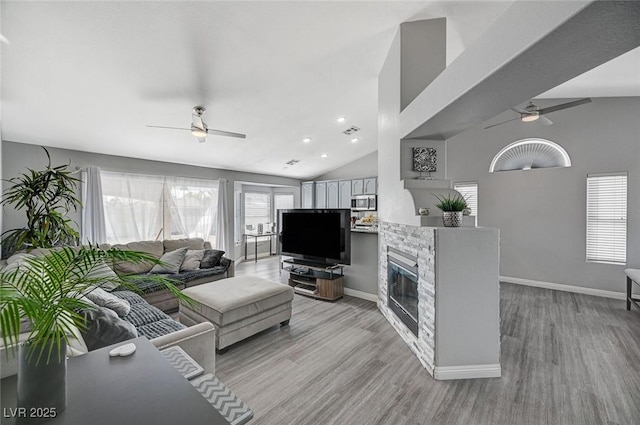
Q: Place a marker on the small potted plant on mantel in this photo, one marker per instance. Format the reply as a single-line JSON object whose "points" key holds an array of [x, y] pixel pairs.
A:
{"points": [[452, 208]]}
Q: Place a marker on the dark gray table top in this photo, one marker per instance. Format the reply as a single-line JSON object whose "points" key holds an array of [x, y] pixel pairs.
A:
{"points": [[137, 390]]}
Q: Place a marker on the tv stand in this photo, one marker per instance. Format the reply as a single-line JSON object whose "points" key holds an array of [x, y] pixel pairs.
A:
{"points": [[316, 280]]}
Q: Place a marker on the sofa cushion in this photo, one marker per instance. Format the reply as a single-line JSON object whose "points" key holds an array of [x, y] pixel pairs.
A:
{"points": [[170, 262], [211, 258], [159, 328], [192, 260], [229, 300], [129, 296], [104, 299], [103, 327], [143, 314], [191, 243], [153, 248]]}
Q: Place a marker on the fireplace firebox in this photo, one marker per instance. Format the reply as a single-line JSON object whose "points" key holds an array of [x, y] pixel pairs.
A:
{"points": [[402, 285]]}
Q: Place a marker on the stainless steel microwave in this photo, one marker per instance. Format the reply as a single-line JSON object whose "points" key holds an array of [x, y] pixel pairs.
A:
{"points": [[364, 203]]}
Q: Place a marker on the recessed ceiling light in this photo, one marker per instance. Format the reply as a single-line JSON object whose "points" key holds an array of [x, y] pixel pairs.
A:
{"points": [[324, 155], [306, 139], [341, 119], [355, 140]]}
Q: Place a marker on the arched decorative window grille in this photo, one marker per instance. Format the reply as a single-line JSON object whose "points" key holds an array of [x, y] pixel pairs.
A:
{"points": [[527, 154]]}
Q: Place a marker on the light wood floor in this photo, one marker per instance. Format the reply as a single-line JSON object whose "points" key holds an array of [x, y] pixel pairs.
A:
{"points": [[567, 359]]}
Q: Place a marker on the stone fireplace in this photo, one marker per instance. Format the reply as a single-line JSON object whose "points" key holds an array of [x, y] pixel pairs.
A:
{"points": [[414, 244]]}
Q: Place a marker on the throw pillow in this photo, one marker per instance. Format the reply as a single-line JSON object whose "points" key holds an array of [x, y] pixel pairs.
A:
{"points": [[106, 278], [192, 260], [104, 299], [103, 327], [153, 248], [211, 258], [170, 262]]}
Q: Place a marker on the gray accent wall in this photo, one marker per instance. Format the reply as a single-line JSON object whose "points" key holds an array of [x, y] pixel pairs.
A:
{"points": [[17, 157], [542, 213]]}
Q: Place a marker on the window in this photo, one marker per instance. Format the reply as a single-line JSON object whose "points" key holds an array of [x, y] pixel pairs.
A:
{"points": [[607, 218], [257, 209], [282, 201], [142, 207], [470, 192], [193, 209]]}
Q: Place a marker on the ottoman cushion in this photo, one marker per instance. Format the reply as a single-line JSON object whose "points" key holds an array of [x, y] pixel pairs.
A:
{"points": [[230, 300]]}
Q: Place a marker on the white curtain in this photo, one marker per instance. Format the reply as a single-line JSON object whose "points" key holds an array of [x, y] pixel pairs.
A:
{"points": [[93, 228], [193, 205], [132, 206], [222, 233]]}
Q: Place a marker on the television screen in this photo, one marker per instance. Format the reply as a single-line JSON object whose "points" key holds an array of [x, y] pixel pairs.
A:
{"points": [[322, 236]]}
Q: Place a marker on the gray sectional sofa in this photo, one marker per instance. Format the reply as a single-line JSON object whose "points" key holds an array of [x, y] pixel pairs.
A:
{"points": [[153, 293]]}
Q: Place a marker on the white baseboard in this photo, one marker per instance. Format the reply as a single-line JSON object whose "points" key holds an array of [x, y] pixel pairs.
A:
{"points": [[467, 372], [565, 288], [360, 294]]}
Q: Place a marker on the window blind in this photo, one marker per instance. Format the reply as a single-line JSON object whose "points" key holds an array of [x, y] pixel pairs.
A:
{"points": [[257, 208], [607, 218], [470, 192]]}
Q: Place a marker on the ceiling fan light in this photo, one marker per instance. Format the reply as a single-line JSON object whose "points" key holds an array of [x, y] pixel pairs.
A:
{"points": [[198, 132], [530, 117]]}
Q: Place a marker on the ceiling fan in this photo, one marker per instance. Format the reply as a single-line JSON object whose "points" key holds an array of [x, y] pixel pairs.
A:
{"points": [[199, 128], [533, 113]]}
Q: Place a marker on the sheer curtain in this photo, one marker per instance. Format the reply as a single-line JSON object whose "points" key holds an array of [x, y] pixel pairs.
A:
{"points": [[193, 206], [223, 241], [93, 228], [132, 206]]}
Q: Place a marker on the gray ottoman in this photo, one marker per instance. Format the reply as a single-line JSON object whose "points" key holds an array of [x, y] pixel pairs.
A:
{"points": [[238, 307]]}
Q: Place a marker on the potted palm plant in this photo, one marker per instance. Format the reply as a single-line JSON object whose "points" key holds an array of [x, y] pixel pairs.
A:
{"points": [[47, 293], [452, 208]]}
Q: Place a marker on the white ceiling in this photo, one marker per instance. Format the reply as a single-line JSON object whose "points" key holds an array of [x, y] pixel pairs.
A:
{"points": [[91, 75]]}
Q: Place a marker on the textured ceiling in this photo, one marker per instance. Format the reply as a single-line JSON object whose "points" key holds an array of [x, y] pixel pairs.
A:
{"points": [[91, 75]]}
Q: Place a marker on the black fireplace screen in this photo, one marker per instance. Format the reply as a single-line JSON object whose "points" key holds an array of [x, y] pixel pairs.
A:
{"points": [[403, 294]]}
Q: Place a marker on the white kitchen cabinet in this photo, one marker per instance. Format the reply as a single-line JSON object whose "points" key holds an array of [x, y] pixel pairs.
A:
{"points": [[344, 194], [321, 195], [370, 186], [307, 195], [333, 198], [357, 187]]}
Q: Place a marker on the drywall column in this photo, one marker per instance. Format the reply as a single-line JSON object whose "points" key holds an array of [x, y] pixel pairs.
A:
{"points": [[467, 291], [417, 55]]}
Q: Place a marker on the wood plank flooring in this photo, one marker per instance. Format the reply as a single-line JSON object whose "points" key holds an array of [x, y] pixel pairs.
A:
{"points": [[566, 359]]}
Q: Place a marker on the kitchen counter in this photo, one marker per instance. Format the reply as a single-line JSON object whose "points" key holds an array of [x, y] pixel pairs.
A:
{"points": [[354, 230]]}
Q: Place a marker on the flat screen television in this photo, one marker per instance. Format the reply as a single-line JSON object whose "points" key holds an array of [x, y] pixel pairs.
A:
{"points": [[315, 235]]}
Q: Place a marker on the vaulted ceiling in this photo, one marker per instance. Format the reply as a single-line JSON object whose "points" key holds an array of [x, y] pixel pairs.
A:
{"points": [[92, 75]]}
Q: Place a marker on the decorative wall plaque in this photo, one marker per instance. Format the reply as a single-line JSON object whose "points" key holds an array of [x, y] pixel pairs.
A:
{"points": [[424, 160]]}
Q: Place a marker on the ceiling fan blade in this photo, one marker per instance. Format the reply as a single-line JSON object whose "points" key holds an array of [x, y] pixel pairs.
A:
{"points": [[565, 106], [544, 120], [226, 133], [171, 128], [503, 122], [519, 111]]}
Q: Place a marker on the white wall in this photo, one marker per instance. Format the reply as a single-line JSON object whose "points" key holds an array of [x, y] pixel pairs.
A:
{"points": [[393, 200], [17, 157], [367, 166], [541, 213]]}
